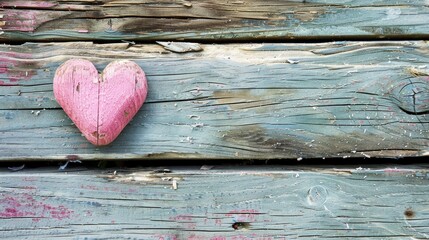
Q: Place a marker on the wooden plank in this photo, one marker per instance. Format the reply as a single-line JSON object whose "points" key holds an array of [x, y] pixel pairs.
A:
{"points": [[258, 101], [262, 203], [210, 20]]}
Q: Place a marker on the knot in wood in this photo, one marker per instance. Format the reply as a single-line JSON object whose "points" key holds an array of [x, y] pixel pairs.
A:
{"points": [[317, 195], [412, 96]]}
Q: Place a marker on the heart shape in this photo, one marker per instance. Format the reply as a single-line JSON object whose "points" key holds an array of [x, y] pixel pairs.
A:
{"points": [[100, 105]]}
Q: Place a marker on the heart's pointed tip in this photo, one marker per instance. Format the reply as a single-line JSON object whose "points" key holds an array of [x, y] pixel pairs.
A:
{"points": [[102, 144], [98, 139], [98, 142]]}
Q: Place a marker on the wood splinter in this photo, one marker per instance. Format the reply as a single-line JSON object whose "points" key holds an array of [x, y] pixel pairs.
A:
{"points": [[100, 105]]}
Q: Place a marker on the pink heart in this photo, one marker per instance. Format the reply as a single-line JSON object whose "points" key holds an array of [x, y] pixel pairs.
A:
{"points": [[100, 105]]}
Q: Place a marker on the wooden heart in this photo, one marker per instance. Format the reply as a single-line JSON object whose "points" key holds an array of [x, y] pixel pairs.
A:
{"points": [[100, 105]]}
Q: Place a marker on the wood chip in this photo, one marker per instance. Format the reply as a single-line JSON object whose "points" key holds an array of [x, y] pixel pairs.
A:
{"points": [[15, 169], [187, 4], [63, 167], [291, 61], [181, 47], [165, 170], [206, 167]]}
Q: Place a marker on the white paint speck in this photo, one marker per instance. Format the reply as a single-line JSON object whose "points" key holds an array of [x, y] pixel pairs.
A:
{"points": [[291, 61], [392, 13]]}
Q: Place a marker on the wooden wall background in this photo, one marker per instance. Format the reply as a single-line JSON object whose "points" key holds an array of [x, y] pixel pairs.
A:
{"points": [[207, 20], [261, 100], [240, 79], [263, 203], [265, 101]]}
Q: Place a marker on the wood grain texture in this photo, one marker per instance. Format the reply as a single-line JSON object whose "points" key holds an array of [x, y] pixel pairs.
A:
{"points": [[76, 89], [262, 203], [100, 105], [260, 101], [123, 90], [210, 20]]}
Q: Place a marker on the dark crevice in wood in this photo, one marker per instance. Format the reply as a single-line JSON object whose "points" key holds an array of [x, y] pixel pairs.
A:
{"points": [[267, 40], [128, 165], [414, 112]]}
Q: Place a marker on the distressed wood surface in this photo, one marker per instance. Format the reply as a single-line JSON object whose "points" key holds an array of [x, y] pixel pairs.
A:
{"points": [[258, 101], [210, 20], [223, 203]]}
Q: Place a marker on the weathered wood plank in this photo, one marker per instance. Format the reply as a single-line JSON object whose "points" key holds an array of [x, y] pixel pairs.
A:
{"points": [[210, 20], [342, 99], [262, 203]]}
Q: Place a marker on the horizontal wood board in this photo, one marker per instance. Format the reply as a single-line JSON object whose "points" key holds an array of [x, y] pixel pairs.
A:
{"points": [[212, 20], [257, 101], [262, 203]]}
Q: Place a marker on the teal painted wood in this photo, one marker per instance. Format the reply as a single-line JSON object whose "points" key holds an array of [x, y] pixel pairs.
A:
{"points": [[263, 203], [212, 20], [257, 101]]}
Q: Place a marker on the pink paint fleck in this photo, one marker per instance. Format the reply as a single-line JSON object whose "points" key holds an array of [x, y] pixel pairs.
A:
{"points": [[218, 222], [19, 20], [191, 225], [237, 237], [166, 237], [240, 237], [25, 20], [89, 187], [24, 205], [196, 237], [29, 179], [218, 238], [112, 189], [14, 68], [130, 190], [243, 215], [27, 4], [182, 218], [2, 83]]}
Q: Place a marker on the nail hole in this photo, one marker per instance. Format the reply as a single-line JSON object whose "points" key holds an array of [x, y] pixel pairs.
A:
{"points": [[409, 213], [240, 225]]}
